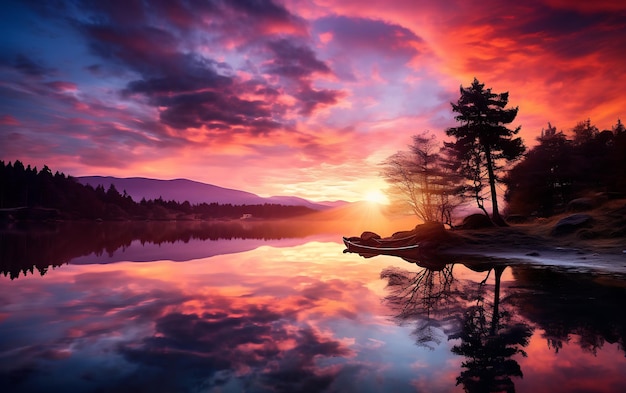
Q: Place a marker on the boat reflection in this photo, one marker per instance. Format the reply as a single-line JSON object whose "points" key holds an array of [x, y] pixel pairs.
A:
{"points": [[491, 331]]}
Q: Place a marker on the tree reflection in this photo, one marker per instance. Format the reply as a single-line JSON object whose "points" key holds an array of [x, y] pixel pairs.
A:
{"points": [[565, 304], [425, 298], [29, 247], [489, 340], [440, 305]]}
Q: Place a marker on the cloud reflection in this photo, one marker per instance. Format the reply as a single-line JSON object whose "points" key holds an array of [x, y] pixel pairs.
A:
{"points": [[181, 329]]}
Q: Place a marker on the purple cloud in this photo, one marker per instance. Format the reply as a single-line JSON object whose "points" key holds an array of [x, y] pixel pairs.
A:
{"points": [[294, 60]]}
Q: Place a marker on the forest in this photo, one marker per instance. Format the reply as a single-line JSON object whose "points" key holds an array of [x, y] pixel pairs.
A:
{"points": [[560, 169], [28, 193]]}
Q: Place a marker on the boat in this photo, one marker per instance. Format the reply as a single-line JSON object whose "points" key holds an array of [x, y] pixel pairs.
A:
{"points": [[395, 247]]}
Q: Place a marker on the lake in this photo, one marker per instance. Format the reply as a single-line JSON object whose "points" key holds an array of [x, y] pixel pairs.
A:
{"points": [[278, 307]]}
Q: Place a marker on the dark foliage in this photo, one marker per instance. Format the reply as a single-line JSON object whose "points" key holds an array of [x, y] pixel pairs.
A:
{"points": [[29, 247], [25, 187], [482, 140], [559, 169]]}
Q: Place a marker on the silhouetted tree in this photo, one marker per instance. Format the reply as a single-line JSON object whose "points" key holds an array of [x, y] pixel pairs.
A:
{"points": [[482, 141], [559, 169], [65, 196], [618, 128], [423, 180], [541, 182], [584, 132]]}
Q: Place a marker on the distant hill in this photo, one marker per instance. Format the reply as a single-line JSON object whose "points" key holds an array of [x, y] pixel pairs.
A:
{"points": [[181, 190], [296, 201]]}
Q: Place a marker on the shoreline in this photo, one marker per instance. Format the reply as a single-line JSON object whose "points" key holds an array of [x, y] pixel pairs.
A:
{"points": [[597, 243]]}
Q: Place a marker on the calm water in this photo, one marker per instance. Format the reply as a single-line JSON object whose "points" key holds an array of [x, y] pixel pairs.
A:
{"points": [[166, 307]]}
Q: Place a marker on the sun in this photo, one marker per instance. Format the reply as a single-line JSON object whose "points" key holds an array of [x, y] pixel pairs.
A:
{"points": [[376, 196]]}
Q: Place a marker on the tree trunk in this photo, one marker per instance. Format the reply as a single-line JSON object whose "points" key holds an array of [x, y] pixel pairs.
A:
{"points": [[495, 217], [496, 300]]}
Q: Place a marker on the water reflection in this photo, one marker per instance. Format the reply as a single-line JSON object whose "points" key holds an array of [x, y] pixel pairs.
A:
{"points": [[302, 316], [489, 340], [29, 247], [564, 305], [179, 327], [491, 332]]}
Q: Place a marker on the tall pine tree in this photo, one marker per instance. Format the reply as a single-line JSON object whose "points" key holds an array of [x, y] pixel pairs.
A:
{"points": [[482, 140]]}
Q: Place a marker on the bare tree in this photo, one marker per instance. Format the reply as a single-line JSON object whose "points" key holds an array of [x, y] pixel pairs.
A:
{"points": [[423, 180]]}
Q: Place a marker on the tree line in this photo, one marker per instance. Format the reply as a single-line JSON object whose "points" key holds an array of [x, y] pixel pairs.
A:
{"points": [[57, 243], [432, 180], [560, 169], [64, 197]]}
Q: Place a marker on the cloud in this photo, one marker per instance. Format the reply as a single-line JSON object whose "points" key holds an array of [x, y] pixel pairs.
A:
{"points": [[30, 67], [358, 35], [193, 73], [311, 99], [212, 346], [62, 87], [176, 87], [298, 63], [293, 60], [192, 90], [8, 120]]}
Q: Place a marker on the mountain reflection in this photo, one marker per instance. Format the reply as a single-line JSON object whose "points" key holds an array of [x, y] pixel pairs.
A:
{"points": [[29, 247], [492, 330]]}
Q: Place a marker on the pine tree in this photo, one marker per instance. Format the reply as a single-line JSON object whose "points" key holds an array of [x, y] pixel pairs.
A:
{"points": [[482, 141]]}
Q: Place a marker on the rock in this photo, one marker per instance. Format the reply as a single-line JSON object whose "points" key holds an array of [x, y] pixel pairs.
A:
{"points": [[586, 234], [403, 234], [369, 236], [580, 205], [430, 230], [571, 224], [516, 218], [476, 221], [431, 235]]}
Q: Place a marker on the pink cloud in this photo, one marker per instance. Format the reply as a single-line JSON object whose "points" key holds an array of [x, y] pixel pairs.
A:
{"points": [[8, 120], [63, 87], [174, 89]]}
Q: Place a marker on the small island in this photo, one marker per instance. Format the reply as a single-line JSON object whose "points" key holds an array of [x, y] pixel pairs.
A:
{"points": [[565, 197]]}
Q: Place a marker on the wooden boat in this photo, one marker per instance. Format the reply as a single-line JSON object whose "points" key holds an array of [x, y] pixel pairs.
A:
{"points": [[381, 247]]}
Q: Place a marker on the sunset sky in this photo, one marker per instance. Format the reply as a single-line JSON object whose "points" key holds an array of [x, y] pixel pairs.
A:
{"points": [[289, 97]]}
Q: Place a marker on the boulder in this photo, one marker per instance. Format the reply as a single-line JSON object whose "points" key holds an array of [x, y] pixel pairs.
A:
{"points": [[369, 236], [430, 231], [571, 224], [516, 218], [580, 205], [476, 221]]}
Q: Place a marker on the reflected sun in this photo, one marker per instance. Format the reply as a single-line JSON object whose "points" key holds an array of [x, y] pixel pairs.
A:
{"points": [[376, 196]]}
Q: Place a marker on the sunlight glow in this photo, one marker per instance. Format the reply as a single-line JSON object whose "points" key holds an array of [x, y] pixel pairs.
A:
{"points": [[376, 196]]}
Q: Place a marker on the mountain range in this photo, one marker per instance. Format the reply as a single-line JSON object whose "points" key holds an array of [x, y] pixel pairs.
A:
{"points": [[181, 190]]}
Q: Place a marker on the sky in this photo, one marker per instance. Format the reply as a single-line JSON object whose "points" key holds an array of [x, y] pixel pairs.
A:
{"points": [[292, 97]]}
